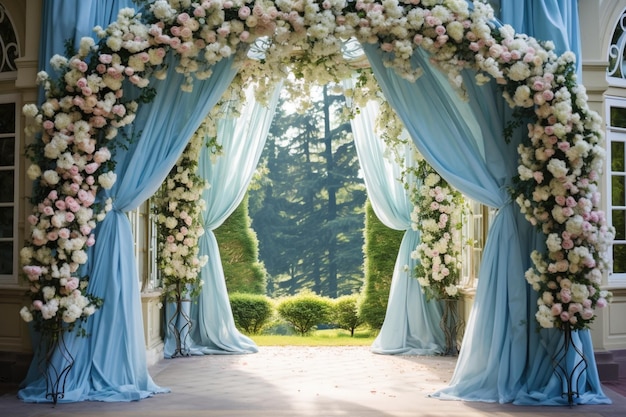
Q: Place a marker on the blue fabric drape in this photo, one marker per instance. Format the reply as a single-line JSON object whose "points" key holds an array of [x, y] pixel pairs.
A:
{"points": [[555, 20], [242, 139], [475, 164], [110, 363], [411, 323], [501, 358]]}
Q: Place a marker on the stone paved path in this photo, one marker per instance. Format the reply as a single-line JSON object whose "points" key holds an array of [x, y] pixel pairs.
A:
{"points": [[303, 381]]}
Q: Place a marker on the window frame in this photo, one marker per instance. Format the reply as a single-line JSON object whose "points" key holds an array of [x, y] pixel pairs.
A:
{"points": [[12, 278], [613, 134]]}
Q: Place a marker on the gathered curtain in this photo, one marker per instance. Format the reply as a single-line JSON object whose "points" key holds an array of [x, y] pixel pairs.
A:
{"points": [[242, 139], [502, 359], [110, 364], [411, 323]]}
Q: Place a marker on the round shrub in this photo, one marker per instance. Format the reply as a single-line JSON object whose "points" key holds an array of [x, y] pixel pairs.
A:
{"points": [[346, 313], [305, 311], [250, 311]]}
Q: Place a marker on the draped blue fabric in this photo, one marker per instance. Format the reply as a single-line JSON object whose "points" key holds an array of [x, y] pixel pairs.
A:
{"points": [[110, 364], [502, 358], [71, 20], [411, 323], [555, 20], [242, 138]]}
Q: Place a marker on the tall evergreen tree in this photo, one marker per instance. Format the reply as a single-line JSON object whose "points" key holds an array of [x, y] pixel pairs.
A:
{"points": [[308, 210]]}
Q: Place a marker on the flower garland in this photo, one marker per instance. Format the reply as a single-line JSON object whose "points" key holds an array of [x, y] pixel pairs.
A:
{"points": [[437, 211], [559, 165], [179, 206]]}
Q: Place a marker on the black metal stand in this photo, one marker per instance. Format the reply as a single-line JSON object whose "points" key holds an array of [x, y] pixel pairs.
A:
{"points": [[180, 326], [56, 364], [569, 365], [452, 326]]}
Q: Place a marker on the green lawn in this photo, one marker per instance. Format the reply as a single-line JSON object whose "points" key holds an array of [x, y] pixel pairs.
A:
{"points": [[333, 337]]}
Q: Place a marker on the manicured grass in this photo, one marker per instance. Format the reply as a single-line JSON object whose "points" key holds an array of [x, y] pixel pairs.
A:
{"points": [[333, 337]]}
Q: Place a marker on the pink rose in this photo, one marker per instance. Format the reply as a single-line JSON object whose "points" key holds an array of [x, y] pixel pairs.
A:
{"points": [[105, 58], [182, 18], [244, 12], [565, 295]]}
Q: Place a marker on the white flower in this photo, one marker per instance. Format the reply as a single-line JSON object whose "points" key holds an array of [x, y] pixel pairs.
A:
{"points": [[544, 317], [27, 316], [557, 167], [51, 177], [33, 172], [107, 179]]}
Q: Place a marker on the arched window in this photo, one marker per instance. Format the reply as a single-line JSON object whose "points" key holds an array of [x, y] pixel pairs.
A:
{"points": [[9, 50]]}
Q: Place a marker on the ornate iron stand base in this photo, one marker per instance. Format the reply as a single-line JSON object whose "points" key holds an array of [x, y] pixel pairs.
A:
{"points": [[56, 365], [180, 326], [569, 365], [452, 326]]}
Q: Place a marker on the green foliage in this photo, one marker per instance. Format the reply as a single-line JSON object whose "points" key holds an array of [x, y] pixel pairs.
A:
{"points": [[251, 311], [381, 249], [305, 311], [240, 254], [308, 208], [346, 313]]}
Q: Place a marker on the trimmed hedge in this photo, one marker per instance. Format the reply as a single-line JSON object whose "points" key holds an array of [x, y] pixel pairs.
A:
{"points": [[381, 250], [251, 311], [305, 311]]}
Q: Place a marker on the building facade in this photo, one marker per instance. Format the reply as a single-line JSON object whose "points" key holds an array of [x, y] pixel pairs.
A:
{"points": [[603, 34]]}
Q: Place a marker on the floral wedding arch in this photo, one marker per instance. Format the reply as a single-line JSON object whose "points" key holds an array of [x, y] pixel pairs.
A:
{"points": [[90, 109]]}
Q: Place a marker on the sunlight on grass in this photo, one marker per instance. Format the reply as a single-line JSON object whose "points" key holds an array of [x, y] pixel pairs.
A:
{"points": [[332, 337]]}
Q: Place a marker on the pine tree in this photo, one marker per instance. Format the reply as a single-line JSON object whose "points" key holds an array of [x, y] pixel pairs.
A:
{"points": [[308, 210]]}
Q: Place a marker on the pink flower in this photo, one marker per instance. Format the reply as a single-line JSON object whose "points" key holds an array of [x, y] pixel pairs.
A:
{"points": [[72, 204], [105, 58], [565, 295], [564, 316], [91, 240], [32, 219], [244, 12], [556, 309], [199, 12], [64, 233], [182, 18], [72, 284], [548, 95], [567, 244], [587, 314]]}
